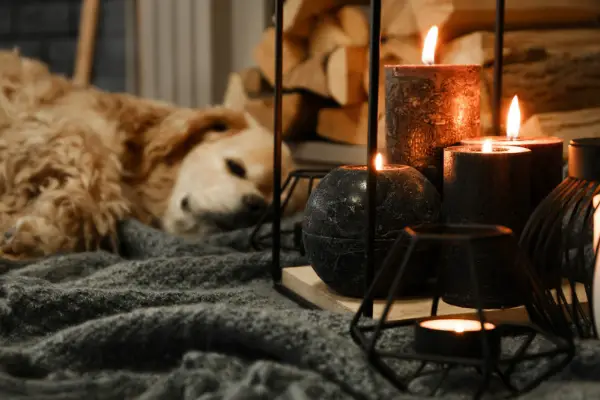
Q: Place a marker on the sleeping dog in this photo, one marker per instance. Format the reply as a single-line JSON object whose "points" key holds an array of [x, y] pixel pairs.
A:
{"points": [[73, 162]]}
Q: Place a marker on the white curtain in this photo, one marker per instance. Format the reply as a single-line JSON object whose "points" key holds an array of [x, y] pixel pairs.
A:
{"points": [[184, 50]]}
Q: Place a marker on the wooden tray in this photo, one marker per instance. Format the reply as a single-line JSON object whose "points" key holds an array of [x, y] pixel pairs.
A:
{"points": [[304, 282]]}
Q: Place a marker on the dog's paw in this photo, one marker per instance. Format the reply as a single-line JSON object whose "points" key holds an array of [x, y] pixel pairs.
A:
{"points": [[30, 237]]}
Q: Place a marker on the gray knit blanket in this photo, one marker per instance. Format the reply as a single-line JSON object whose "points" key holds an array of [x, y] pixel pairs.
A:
{"points": [[176, 319]]}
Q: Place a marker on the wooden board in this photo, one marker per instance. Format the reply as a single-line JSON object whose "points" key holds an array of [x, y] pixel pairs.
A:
{"points": [[563, 81], [305, 282], [459, 17], [519, 46], [565, 125]]}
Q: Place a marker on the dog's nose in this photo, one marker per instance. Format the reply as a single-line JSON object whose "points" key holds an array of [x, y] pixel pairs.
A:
{"points": [[254, 204], [185, 203]]}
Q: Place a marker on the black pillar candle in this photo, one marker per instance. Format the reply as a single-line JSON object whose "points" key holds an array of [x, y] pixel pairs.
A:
{"points": [[498, 271], [547, 154], [334, 225], [546, 161], [487, 185]]}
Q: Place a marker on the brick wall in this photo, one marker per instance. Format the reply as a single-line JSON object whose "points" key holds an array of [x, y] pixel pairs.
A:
{"points": [[47, 30]]}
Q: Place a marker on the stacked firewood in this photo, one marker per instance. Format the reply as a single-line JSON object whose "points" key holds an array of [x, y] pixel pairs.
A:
{"points": [[551, 56]]}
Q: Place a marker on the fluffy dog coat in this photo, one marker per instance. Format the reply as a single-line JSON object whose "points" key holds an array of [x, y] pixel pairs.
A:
{"points": [[73, 162]]}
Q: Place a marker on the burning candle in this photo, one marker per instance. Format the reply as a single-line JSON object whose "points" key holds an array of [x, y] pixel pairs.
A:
{"points": [[429, 107], [456, 338], [547, 154], [487, 184], [335, 223]]}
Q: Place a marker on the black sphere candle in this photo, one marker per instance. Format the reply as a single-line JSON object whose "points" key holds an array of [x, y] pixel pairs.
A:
{"points": [[334, 227]]}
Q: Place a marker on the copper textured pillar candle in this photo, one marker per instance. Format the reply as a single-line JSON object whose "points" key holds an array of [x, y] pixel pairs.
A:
{"points": [[428, 108], [547, 155]]}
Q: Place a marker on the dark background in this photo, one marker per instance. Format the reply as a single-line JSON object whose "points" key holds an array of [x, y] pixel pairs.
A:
{"points": [[47, 30]]}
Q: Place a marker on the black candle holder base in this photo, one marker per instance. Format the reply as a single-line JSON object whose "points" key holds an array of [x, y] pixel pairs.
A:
{"points": [[503, 374], [547, 336]]}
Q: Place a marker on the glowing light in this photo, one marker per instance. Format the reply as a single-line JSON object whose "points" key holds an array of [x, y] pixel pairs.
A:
{"points": [[513, 123], [428, 55], [378, 162], [486, 147], [456, 325]]}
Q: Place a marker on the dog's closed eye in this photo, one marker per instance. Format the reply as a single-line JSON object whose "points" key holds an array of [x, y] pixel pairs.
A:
{"points": [[236, 168], [219, 127]]}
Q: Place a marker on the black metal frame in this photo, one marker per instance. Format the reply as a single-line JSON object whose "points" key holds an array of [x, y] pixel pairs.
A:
{"points": [[552, 324], [260, 241], [373, 111]]}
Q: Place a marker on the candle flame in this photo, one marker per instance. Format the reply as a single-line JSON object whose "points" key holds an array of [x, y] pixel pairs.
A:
{"points": [[487, 146], [459, 328], [428, 55], [378, 162], [513, 123]]}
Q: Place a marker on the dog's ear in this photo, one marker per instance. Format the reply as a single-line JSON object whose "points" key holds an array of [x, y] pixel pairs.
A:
{"points": [[212, 123], [183, 129]]}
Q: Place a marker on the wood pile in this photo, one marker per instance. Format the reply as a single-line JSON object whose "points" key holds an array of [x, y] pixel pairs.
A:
{"points": [[551, 56]]}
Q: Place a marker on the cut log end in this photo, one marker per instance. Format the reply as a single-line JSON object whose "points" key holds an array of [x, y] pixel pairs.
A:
{"points": [[294, 52], [345, 72]]}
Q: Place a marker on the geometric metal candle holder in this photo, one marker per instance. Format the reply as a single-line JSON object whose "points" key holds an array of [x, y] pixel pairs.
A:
{"points": [[499, 353], [559, 234], [262, 241]]}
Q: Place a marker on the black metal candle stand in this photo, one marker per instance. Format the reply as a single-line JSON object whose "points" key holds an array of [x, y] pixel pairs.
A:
{"points": [[493, 361], [559, 234], [549, 321], [260, 240], [372, 128]]}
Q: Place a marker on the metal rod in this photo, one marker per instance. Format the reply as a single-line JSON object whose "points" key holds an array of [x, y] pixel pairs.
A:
{"points": [[277, 142], [498, 64], [372, 147]]}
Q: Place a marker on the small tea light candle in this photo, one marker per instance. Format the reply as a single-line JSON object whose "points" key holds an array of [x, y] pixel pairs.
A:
{"points": [[487, 184], [455, 338], [429, 107], [547, 154]]}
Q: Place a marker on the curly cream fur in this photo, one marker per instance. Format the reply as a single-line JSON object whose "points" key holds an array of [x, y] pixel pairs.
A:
{"points": [[73, 162]]}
